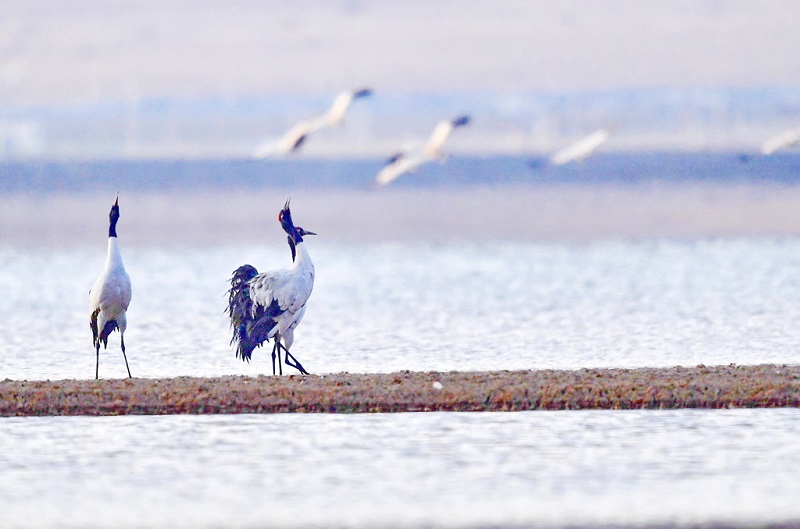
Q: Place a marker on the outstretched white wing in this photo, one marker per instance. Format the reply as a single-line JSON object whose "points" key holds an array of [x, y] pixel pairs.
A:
{"points": [[582, 148], [440, 134], [340, 106], [790, 138], [401, 165]]}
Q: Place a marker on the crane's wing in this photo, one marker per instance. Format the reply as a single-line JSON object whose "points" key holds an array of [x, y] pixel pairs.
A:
{"points": [[785, 139], [582, 148], [341, 105], [397, 166], [250, 322], [339, 109], [440, 134], [290, 142], [296, 136]]}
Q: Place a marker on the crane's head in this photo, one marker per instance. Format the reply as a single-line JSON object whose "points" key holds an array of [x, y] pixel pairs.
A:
{"points": [[295, 234], [461, 121], [363, 92], [113, 217]]}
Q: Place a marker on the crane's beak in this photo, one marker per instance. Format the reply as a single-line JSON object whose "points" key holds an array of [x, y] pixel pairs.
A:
{"points": [[116, 200], [308, 233]]}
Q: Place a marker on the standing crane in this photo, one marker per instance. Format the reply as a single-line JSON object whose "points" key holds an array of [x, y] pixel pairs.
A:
{"points": [[296, 136], [402, 162], [110, 295], [268, 306]]}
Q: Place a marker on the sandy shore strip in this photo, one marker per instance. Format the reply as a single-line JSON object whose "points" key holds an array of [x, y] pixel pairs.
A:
{"points": [[763, 386]]}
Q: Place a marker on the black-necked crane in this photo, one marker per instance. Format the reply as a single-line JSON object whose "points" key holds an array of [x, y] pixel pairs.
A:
{"points": [[270, 305], [296, 136], [402, 163], [110, 295]]}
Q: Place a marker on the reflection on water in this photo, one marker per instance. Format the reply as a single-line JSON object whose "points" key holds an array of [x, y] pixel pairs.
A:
{"points": [[420, 306], [433, 470]]}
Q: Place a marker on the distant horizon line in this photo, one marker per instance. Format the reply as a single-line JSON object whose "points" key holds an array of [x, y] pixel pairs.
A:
{"points": [[325, 95]]}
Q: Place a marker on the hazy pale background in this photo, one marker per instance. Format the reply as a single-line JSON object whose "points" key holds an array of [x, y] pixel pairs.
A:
{"points": [[85, 50], [197, 78]]}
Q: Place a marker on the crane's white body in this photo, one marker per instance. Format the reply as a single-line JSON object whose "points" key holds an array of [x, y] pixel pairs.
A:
{"points": [[299, 133], [790, 138], [111, 292], [290, 289], [581, 149]]}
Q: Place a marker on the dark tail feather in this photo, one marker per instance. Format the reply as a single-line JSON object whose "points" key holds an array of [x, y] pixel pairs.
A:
{"points": [[102, 336], [240, 310], [110, 327]]}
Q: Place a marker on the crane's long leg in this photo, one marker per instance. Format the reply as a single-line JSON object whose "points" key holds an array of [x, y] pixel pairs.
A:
{"points": [[275, 348], [122, 342], [97, 366], [278, 347], [296, 363]]}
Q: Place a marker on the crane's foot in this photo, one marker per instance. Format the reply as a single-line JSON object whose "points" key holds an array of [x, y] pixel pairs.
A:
{"points": [[297, 365]]}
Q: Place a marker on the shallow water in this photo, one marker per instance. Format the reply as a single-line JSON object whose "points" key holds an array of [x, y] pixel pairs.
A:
{"points": [[401, 470], [420, 306], [428, 283]]}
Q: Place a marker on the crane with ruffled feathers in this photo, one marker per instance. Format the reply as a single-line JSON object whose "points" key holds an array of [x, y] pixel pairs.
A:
{"points": [[270, 305]]}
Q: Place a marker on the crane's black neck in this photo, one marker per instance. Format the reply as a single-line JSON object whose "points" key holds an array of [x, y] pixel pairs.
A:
{"points": [[292, 247], [113, 217]]}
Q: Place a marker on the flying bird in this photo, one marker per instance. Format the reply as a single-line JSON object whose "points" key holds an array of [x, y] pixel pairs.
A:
{"points": [[110, 295], [790, 138], [402, 162], [581, 149], [269, 306], [296, 136]]}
